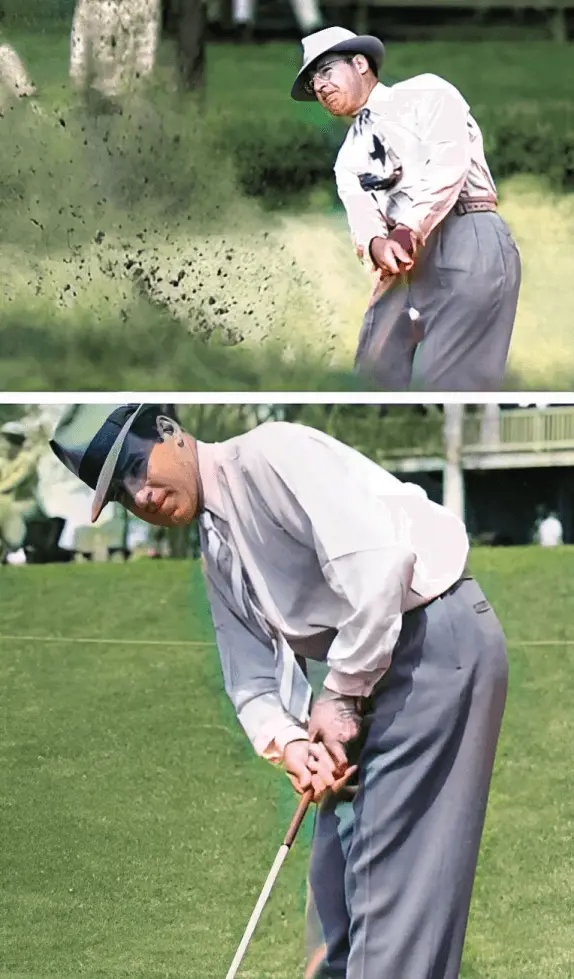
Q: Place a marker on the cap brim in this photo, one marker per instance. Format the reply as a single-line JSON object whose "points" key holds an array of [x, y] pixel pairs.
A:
{"points": [[109, 467], [365, 44]]}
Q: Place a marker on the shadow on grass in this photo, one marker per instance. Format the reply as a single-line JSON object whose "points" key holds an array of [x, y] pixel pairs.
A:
{"points": [[157, 354]]}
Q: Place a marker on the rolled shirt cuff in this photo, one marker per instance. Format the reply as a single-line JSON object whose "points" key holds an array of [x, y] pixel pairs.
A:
{"points": [[273, 752], [351, 685]]}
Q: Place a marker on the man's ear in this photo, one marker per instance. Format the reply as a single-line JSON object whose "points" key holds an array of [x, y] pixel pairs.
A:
{"points": [[168, 428], [361, 63]]}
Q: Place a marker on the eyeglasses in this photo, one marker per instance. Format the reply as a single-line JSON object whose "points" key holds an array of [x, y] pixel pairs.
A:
{"points": [[324, 73]]}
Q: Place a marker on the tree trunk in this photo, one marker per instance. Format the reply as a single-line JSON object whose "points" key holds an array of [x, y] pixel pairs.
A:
{"points": [[453, 492], [179, 542], [113, 44], [191, 20]]}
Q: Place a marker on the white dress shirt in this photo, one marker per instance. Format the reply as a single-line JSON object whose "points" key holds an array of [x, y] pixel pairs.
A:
{"points": [[336, 549], [419, 133]]}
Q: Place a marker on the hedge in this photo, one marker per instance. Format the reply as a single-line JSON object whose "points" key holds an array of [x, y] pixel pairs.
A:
{"points": [[280, 160]]}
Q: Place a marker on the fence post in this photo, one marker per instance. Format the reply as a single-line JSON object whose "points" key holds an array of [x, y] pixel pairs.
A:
{"points": [[362, 17], [490, 426], [453, 477], [558, 25]]}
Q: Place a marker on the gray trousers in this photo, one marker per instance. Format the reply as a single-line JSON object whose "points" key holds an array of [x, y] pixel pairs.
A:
{"points": [[465, 287], [391, 872]]}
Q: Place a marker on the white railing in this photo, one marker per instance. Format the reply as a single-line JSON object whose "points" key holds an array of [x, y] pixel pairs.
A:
{"points": [[521, 429], [511, 430]]}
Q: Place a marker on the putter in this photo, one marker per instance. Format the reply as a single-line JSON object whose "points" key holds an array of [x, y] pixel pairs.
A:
{"points": [[290, 835]]}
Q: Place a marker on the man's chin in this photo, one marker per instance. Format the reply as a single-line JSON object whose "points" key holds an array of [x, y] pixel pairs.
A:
{"points": [[179, 518], [165, 518], [171, 519], [157, 519], [334, 109]]}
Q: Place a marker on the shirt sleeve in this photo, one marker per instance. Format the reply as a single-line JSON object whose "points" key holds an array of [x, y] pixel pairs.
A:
{"points": [[248, 666], [322, 505], [364, 218], [433, 184]]}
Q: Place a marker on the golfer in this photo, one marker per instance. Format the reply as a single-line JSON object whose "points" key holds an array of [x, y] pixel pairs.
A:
{"points": [[313, 552], [421, 205]]}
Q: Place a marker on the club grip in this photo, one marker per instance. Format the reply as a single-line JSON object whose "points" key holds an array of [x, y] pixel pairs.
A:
{"points": [[298, 818]]}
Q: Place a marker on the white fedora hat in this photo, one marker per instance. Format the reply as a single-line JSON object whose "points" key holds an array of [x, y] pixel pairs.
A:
{"points": [[336, 39]]}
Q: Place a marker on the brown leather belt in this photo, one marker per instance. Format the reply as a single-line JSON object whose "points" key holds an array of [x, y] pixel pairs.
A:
{"points": [[474, 205], [465, 576]]}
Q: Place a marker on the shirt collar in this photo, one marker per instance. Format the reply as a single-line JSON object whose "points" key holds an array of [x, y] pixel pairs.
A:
{"points": [[380, 94], [208, 455]]}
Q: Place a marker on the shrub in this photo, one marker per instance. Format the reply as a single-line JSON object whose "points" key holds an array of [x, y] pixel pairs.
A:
{"points": [[530, 138], [279, 160]]}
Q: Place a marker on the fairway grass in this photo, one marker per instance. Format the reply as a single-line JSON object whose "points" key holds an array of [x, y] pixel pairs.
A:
{"points": [[138, 827], [298, 307]]}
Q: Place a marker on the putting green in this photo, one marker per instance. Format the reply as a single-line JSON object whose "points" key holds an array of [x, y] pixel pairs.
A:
{"points": [[138, 827]]}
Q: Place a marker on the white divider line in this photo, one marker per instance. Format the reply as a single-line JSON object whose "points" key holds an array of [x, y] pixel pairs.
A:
{"points": [[541, 642], [209, 642], [108, 642]]}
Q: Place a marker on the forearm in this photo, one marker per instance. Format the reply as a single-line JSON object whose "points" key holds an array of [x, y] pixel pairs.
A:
{"points": [[268, 726], [431, 199], [364, 218], [248, 667], [434, 187], [362, 651]]}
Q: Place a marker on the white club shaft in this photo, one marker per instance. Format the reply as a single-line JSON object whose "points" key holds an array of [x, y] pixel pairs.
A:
{"points": [[283, 851]]}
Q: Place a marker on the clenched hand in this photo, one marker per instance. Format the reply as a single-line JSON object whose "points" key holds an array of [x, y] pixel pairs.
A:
{"points": [[390, 257], [309, 765], [334, 722]]}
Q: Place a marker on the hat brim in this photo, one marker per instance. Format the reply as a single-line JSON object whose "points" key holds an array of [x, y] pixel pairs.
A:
{"points": [[365, 44], [109, 467]]}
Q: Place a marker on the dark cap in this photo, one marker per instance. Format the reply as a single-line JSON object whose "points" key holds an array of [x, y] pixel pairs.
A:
{"points": [[89, 439]]}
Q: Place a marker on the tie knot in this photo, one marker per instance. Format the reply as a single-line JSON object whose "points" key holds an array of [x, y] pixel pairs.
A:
{"points": [[220, 525], [361, 121]]}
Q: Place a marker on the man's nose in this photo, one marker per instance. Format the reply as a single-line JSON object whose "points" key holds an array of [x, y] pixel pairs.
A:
{"points": [[145, 498], [319, 84]]}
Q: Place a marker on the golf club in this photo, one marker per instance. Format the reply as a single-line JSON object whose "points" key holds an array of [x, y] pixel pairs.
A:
{"points": [[290, 835]]}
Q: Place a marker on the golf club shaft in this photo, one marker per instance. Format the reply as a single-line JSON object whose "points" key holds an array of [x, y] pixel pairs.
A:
{"points": [[272, 877]]}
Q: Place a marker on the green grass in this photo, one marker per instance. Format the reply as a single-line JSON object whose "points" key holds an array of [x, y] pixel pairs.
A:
{"points": [[137, 826], [258, 79]]}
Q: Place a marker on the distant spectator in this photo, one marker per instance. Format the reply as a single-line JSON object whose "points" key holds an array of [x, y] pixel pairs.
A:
{"points": [[550, 532], [18, 483]]}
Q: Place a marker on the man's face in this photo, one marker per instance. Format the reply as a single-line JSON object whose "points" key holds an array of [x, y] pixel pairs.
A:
{"points": [[341, 83], [166, 491]]}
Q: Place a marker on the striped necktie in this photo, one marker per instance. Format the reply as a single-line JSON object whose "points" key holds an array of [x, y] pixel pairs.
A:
{"points": [[294, 689]]}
